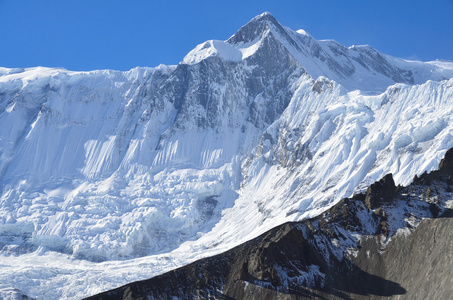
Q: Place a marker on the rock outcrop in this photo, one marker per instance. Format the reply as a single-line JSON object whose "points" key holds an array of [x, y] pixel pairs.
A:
{"points": [[446, 164], [380, 192]]}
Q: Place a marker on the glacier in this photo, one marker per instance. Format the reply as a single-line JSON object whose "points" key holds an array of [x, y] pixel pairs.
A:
{"points": [[108, 177]]}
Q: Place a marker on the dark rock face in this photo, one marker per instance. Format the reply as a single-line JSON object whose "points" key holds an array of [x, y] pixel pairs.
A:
{"points": [[444, 173], [421, 262], [352, 251], [446, 164], [380, 192]]}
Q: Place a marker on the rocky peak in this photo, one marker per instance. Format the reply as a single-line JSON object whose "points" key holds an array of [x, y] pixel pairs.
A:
{"points": [[380, 192], [446, 164], [255, 28], [444, 172]]}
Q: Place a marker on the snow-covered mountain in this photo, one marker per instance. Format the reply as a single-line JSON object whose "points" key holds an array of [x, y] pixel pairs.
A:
{"points": [[108, 177], [391, 242]]}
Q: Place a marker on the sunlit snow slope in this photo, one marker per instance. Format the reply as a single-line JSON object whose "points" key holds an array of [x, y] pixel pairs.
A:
{"points": [[108, 177]]}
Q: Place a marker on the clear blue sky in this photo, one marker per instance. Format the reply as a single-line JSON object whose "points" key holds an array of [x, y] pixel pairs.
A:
{"points": [[112, 34]]}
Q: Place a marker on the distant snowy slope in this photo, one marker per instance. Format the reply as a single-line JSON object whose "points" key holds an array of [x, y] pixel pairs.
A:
{"points": [[156, 167]]}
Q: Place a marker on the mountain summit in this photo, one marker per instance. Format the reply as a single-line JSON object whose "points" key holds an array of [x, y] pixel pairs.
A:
{"points": [[153, 168], [255, 29], [356, 67]]}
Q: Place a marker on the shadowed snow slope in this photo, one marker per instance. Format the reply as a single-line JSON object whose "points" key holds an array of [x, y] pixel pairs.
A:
{"points": [[108, 177]]}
